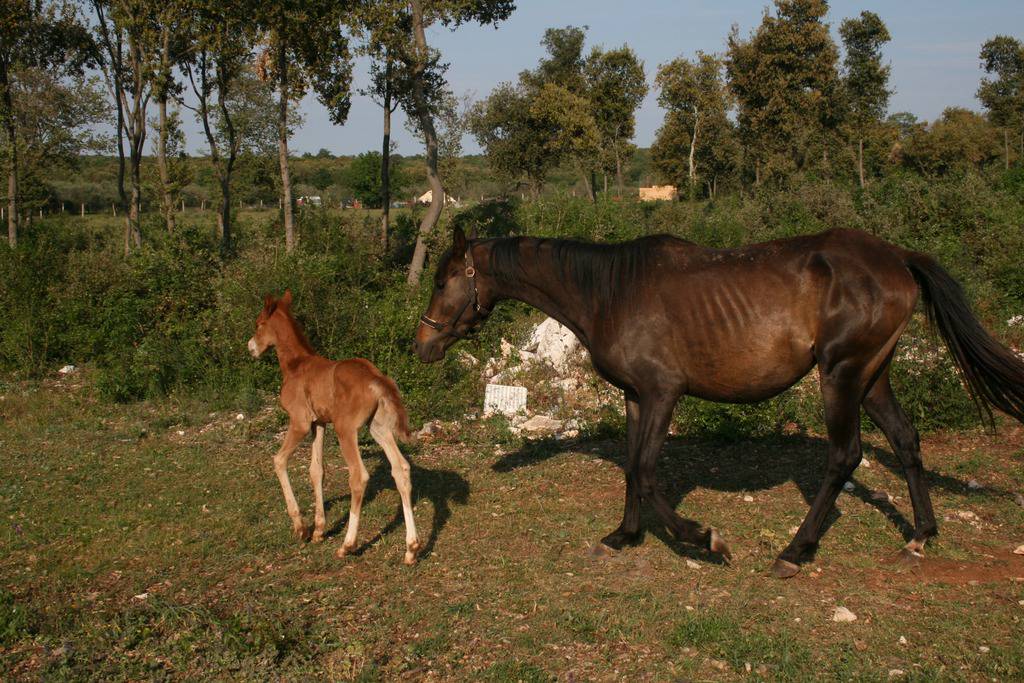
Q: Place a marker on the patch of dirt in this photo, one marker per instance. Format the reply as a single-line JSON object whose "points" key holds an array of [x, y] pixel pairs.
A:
{"points": [[994, 566]]}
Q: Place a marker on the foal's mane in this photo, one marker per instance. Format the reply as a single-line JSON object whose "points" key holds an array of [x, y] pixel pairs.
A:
{"points": [[603, 271], [300, 336]]}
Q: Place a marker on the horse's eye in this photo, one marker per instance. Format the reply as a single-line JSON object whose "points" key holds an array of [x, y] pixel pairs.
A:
{"points": [[440, 285]]}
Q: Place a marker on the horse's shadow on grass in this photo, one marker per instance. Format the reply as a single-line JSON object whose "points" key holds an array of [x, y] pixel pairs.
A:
{"points": [[756, 464], [440, 487]]}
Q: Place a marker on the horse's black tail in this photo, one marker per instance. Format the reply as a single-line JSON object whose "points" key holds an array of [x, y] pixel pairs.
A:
{"points": [[994, 375]]}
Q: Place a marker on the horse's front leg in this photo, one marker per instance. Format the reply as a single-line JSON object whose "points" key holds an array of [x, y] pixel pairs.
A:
{"points": [[628, 532], [655, 415]]}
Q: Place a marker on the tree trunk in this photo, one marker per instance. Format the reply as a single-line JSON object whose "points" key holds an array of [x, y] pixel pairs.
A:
{"points": [[224, 217], [605, 174], [430, 218], [166, 199], [860, 161], [589, 181], [12, 176], [282, 145], [1006, 147], [693, 153], [385, 163], [618, 173]]}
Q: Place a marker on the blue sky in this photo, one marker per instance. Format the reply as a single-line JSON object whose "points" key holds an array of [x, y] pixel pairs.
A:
{"points": [[933, 54]]}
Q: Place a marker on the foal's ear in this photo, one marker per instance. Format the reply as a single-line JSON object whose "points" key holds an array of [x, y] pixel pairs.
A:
{"points": [[286, 300], [459, 243], [268, 303]]}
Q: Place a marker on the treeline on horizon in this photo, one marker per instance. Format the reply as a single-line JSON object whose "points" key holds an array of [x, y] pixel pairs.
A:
{"points": [[781, 103]]}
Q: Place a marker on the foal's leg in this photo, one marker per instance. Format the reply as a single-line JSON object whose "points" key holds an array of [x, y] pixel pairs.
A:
{"points": [[400, 472], [885, 411], [842, 395], [296, 432], [628, 532], [316, 478], [357, 478], [655, 416]]}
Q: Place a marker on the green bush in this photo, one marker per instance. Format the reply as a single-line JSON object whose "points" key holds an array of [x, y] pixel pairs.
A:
{"points": [[175, 315]]}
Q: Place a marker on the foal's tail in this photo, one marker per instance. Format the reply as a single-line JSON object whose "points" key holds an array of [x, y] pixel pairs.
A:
{"points": [[993, 373], [391, 408]]}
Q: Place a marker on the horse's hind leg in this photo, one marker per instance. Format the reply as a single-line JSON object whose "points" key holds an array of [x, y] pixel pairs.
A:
{"points": [[654, 420], [885, 411], [842, 390], [316, 478], [357, 478], [296, 432], [382, 434], [628, 532]]}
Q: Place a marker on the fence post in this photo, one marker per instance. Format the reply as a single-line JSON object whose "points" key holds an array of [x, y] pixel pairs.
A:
{"points": [[83, 209]]}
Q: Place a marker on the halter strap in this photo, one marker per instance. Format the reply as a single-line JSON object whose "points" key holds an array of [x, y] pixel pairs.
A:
{"points": [[474, 300]]}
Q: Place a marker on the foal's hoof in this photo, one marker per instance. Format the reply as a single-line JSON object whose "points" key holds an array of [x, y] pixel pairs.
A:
{"points": [[317, 537], [301, 533], [600, 551], [783, 569], [411, 551], [717, 544], [343, 551]]}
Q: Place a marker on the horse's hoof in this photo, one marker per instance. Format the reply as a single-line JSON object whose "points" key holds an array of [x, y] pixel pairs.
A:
{"points": [[411, 551], [601, 551], [618, 539], [717, 544], [342, 552], [318, 536], [908, 557], [301, 533], [783, 569]]}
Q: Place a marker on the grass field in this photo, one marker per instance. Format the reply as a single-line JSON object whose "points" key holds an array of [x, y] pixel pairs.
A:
{"points": [[150, 541]]}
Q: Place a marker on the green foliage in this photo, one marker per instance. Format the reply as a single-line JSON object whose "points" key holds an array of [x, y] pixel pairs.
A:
{"points": [[363, 176], [16, 622]]}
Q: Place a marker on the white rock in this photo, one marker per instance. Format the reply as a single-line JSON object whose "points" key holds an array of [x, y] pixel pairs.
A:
{"points": [[240, 416], [691, 564], [553, 343], [504, 399], [67, 369], [842, 614], [467, 358], [967, 515], [974, 485], [181, 432], [1019, 550], [983, 649], [896, 673], [568, 384], [541, 424], [748, 499], [429, 429], [903, 640], [848, 487], [793, 530]]}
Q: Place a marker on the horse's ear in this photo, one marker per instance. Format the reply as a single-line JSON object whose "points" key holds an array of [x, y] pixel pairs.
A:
{"points": [[286, 300], [459, 242], [268, 303]]}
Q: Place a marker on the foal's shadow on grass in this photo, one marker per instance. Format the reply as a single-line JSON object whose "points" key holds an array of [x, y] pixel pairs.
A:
{"points": [[735, 466], [440, 487]]}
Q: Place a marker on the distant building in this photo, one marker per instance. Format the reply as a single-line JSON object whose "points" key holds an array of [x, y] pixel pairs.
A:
{"points": [[659, 193], [428, 197], [309, 201]]}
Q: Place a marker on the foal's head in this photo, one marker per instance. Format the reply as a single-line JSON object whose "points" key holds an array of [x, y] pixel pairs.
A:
{"points": [[266, 335], [455, 309]]}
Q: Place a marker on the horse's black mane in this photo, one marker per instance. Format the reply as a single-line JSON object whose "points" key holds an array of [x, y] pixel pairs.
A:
{"points": [[603, 271]]}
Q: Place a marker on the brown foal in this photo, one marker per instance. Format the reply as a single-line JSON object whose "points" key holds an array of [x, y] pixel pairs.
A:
{"points": [[350, 393]]}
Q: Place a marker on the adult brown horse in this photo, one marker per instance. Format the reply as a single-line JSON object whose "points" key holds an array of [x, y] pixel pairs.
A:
{"points": [[663, 317]]}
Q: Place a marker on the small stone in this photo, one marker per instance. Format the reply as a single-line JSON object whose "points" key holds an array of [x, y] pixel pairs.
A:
{"points": [[691, 564], [748, 499], [848, 487], [983, 649], [860, 645], [181, 432], [1019, 550], [896, 673], [903, 640], [843, 615], [974, 485], [240, 416], [67, 369], [747, 667], [1019, 499], [429, 429], [793, 529], [718, 664], [542, 423], [140, 596]]}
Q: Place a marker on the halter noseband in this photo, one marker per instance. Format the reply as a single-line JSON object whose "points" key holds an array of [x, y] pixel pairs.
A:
{"points": [[473, 300]]}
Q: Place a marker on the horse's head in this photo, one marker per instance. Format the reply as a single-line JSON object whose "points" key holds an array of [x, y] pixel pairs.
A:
{"points": [[265, 335], [455, 309]]}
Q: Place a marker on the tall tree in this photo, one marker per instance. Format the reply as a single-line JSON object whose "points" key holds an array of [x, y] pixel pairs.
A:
{"points": [[1003, 96], [696, 98], [787, 89], [34, 34], [615, 87], [866, 78], [427, 80], [170, 51]]}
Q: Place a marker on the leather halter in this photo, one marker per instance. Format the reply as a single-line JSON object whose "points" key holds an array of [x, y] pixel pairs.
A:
{"points": [[473, 300]]}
